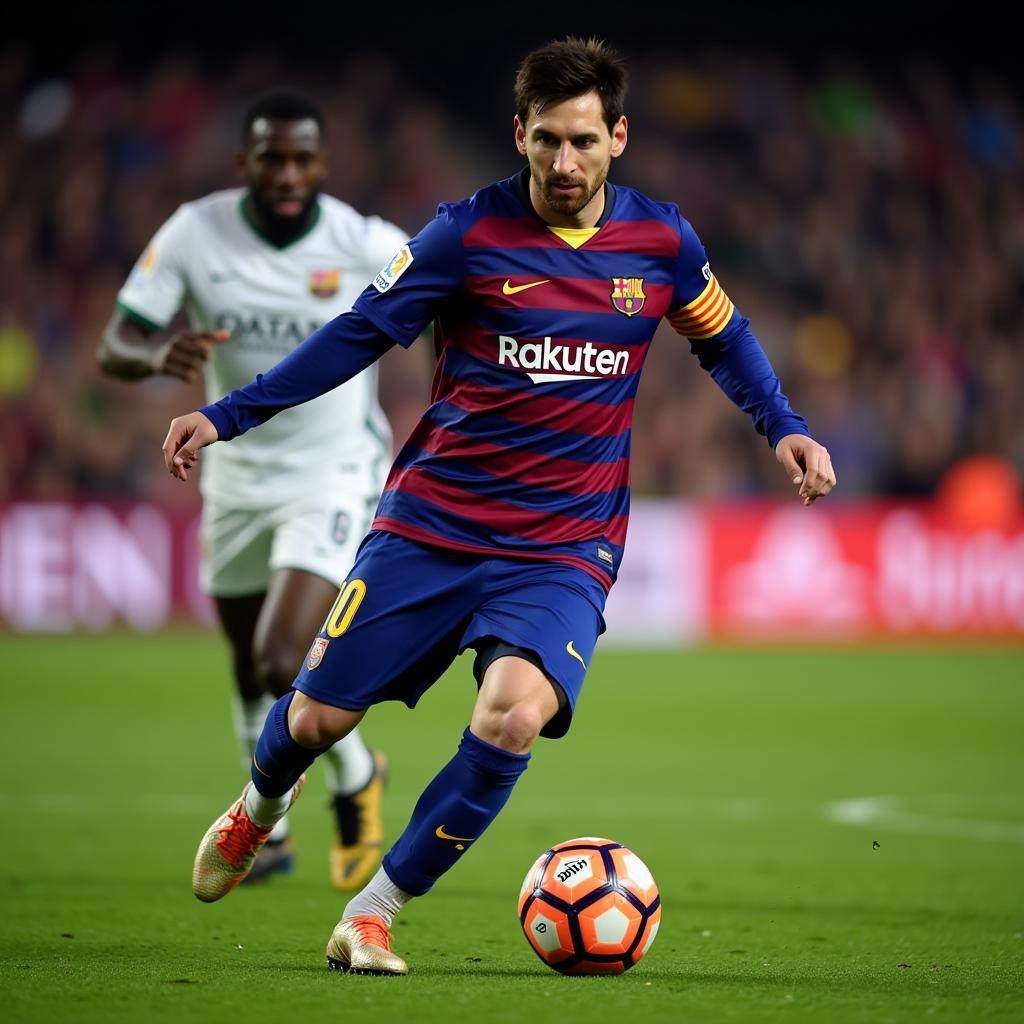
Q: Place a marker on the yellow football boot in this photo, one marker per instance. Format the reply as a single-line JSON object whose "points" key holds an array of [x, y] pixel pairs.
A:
{"points": [[358, 831]]}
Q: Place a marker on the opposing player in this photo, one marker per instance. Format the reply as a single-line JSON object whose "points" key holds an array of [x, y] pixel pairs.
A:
{"points": [[258, 269], [502, 524]]}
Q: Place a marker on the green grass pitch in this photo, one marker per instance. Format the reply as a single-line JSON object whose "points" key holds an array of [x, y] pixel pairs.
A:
{"points": [[838, 836]]}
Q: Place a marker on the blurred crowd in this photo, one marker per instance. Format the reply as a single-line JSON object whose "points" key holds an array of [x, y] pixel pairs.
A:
{"points": [[868, 221]]}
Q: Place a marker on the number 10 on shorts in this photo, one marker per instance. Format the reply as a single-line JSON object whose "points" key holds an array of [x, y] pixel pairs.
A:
{"points": [[345, 607]]}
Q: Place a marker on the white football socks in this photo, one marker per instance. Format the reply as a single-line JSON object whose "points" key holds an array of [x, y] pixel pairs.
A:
{"points": [[266, 810], [249, 716], [348, 765], [381, 898]]}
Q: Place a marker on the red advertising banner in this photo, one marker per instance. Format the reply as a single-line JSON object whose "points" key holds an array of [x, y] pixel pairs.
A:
{"points": [[91, 566], [691, 572], [820, 574]]}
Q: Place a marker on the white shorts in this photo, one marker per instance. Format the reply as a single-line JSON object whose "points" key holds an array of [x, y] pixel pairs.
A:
{"points": [[241, 547]]}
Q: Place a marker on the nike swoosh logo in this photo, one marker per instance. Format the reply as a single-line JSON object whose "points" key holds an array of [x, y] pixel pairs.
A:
{"points": [[457, 840], [572, 650], [508, 288], [258, 768]]}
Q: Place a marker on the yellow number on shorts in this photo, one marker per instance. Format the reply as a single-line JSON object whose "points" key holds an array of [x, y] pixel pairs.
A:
{"points": [[345, 608]]}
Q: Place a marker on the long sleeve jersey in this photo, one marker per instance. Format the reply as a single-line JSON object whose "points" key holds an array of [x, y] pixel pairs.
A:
{"points": [[541, 334]]}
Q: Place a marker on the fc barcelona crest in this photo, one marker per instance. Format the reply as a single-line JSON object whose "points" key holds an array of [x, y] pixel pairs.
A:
{"points": [[324, 283], [317, 652], [628, 294]]}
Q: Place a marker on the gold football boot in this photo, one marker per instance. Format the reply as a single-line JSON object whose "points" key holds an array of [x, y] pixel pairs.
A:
{"points": [[228, 849], [362, 945]]}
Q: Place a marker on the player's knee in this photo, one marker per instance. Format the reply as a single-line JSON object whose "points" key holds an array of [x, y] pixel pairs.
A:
{"points": [[312, 730], [310, 734], [314, 725], [513, 728]]}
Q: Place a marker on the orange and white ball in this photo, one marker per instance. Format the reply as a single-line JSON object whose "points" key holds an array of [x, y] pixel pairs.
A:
{"points": [[590, 906]]}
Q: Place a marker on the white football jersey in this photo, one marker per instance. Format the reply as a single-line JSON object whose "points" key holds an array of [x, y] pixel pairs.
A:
{"points": [[210, 259]]}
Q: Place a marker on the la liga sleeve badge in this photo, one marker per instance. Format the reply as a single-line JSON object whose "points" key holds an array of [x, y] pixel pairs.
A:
{"points": [[317, 652]]}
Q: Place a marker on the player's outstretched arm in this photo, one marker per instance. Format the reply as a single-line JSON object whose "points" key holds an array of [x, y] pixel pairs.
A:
{"points": [[187, 434], [740, 367], [808, 464]]}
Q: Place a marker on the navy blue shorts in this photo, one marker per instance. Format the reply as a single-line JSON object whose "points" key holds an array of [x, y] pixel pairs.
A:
{"points": [[407, 610]]}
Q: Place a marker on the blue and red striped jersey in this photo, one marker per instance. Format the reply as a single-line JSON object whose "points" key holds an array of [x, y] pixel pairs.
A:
{"points": [[525, 446], [541, 335]]}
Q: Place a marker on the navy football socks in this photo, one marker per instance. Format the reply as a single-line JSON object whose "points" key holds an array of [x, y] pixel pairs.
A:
{"points": [[454, 810], [279, 760]]}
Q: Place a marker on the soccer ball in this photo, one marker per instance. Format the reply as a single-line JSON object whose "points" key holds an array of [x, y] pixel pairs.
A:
{"points": [[589, 906]]}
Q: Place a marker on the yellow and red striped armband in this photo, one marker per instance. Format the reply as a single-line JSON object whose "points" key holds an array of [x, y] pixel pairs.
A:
{"points": [[706, 316]]}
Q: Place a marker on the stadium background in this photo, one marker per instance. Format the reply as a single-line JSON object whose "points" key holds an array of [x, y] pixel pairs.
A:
{"points": [[856, 179], [836, 828]]}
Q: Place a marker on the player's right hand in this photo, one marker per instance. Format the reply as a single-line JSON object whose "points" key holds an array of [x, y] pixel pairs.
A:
{"points": [[187, 434], [186, 351]]}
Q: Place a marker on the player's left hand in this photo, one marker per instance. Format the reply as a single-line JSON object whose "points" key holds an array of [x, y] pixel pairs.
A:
{"points": [[808, 464]]}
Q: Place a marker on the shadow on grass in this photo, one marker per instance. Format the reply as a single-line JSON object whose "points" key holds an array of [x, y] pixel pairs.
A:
{"points": [[426, 967], [888, 915]]}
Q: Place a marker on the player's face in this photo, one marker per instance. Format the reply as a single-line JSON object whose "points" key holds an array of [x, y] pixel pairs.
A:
{"points": [[283, 165], [570, 150]]}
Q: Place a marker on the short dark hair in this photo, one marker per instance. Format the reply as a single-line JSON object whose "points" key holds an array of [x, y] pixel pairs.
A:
{"points": [[282, 105], [568, 68]]}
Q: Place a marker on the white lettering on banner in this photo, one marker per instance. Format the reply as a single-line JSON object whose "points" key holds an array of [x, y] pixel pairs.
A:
{"points": [[945, 581], [122, 568], [798, 573], [35, 581], [66, 567]]}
